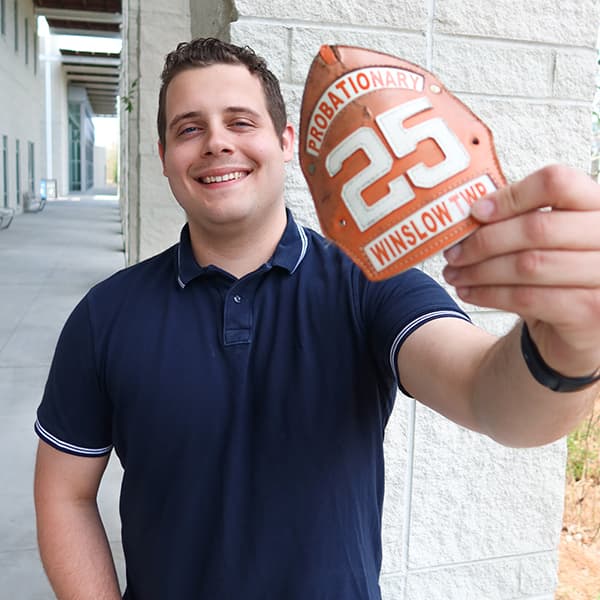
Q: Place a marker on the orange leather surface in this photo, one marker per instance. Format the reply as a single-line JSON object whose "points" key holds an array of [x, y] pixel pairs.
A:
{"points": [[392, 159]]}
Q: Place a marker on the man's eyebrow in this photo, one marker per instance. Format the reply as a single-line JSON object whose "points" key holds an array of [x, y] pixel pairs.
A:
{"points": [[242, 109], [193, 114]]}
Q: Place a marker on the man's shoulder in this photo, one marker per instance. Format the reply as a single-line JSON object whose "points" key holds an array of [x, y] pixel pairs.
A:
{"points": [[159, 269]]}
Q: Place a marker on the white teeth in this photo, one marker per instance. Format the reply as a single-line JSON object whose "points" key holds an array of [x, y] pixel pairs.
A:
{"points": [[221, 178]]}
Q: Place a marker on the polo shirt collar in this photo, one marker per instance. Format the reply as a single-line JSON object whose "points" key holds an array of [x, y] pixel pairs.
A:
{"points": [[288, 255]]}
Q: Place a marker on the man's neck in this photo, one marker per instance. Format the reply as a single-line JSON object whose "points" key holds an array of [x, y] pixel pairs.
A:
{"points": [[238, 249]]}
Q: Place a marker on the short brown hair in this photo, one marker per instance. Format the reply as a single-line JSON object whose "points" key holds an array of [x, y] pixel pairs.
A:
{"points": [[203, 52]]}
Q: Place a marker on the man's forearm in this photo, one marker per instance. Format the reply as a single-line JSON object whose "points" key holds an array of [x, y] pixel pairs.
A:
{"points": [[75, 552], [516, 410]]}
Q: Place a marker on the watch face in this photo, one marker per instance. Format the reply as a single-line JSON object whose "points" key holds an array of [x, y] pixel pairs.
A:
{"points": [[392, 159]]}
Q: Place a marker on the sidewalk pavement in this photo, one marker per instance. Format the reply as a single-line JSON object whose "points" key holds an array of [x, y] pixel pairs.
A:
{"points": [[48, 261]]}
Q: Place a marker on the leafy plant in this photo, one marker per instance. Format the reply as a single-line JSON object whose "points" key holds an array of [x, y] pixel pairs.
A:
{"points": [[128, 98], [583, 447]]}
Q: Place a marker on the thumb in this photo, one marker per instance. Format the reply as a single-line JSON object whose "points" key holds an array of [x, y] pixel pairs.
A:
{"points": [[555, 186]]}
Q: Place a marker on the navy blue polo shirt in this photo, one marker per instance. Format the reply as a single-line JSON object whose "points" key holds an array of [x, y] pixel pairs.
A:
{"points": [[248, 415]]}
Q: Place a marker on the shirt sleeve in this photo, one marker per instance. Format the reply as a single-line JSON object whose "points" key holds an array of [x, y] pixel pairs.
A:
{"points": [[396, 307], [75, 413]]}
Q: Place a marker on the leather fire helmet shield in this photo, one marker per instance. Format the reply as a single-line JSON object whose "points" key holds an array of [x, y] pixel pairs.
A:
{"points": [[392, 159]]}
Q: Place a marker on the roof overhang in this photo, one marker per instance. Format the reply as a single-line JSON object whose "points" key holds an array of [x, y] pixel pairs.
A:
{"points": [[87, 17], [97, 72]]}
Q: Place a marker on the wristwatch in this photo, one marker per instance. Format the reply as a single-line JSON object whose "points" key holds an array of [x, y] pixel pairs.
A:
{"points": [[545, 374]]}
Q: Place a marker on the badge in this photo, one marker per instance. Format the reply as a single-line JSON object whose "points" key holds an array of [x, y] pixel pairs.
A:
{"points": [[392, 159]]}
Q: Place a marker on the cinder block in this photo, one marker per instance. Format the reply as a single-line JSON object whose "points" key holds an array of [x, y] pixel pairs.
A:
{"points": [[307, 41], [211, 17], [405, 15], [474, 499], [397, 455], [300, 203], [295, 178], [268, 40], [539, 574], [392, 586], [146, 105], [179, 8], [292, 94], [575, 74], [159, 34], [531, 577], [529, 135], [488, 580], [571, 22], [489, 68]]}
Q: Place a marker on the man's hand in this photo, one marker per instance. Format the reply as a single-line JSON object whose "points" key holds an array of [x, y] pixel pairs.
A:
{"points": [[538, 255]]}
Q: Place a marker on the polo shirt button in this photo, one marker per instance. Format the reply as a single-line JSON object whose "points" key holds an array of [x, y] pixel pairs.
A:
{"points": [[237, 299]]}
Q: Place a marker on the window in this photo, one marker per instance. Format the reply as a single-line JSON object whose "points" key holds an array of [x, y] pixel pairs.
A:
{"points": [[18, 171], [16, 26], [5, 170], [31, 168], [26, 41], [74, 147]]}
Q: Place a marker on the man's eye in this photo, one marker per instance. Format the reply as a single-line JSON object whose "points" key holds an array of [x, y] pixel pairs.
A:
{"points": [[242, 124], [190, 129]]}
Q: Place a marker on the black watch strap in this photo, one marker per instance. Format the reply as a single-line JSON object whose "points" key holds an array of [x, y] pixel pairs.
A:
{"points": [[545, 374]]}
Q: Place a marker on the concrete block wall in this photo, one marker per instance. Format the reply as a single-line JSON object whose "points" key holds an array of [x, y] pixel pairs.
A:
{"points": [[465, 519], [21, 109]]}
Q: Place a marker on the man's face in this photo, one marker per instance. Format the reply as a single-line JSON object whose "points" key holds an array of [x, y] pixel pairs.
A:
{"points": [[223, 158]]}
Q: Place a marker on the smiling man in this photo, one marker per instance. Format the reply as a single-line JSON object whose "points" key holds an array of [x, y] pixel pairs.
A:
{"points": [[245, 376]]}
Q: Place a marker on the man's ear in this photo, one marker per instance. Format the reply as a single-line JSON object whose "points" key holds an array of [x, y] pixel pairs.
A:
{"points": [[161, 153], [287, 142]]}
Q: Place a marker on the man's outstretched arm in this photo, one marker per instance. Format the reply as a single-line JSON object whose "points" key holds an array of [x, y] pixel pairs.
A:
{"points": [[482, 383], [71, 537], [543, 265]]}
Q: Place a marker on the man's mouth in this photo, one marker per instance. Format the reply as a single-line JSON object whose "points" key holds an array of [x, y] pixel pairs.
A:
{"points": [[221, 178]]}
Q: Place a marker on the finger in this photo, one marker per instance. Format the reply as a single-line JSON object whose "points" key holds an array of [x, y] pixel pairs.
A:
{"points": [[556, 186], [560, 229], [559, 306], [557, 268]]}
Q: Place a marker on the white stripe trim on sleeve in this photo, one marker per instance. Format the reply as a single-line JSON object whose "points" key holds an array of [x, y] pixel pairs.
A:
{"points": [[46, 435], [408, 329]]}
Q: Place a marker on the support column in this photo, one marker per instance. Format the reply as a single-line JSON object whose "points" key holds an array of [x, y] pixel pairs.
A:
{"points": [[152, 218]]}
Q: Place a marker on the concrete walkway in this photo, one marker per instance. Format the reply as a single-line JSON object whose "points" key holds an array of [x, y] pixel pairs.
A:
{"points": [[48, 260]]}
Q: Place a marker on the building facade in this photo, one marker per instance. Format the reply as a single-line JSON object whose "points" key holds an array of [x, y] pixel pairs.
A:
{"points": [[45, 124], [465, 518], [21, 104]]}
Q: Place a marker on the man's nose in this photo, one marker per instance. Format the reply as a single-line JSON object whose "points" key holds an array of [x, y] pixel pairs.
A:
{"points": [[218, 140]]}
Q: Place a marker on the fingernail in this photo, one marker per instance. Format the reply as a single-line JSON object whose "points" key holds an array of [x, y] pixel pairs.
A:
{"points": [[453, 253], [484, 208]]}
